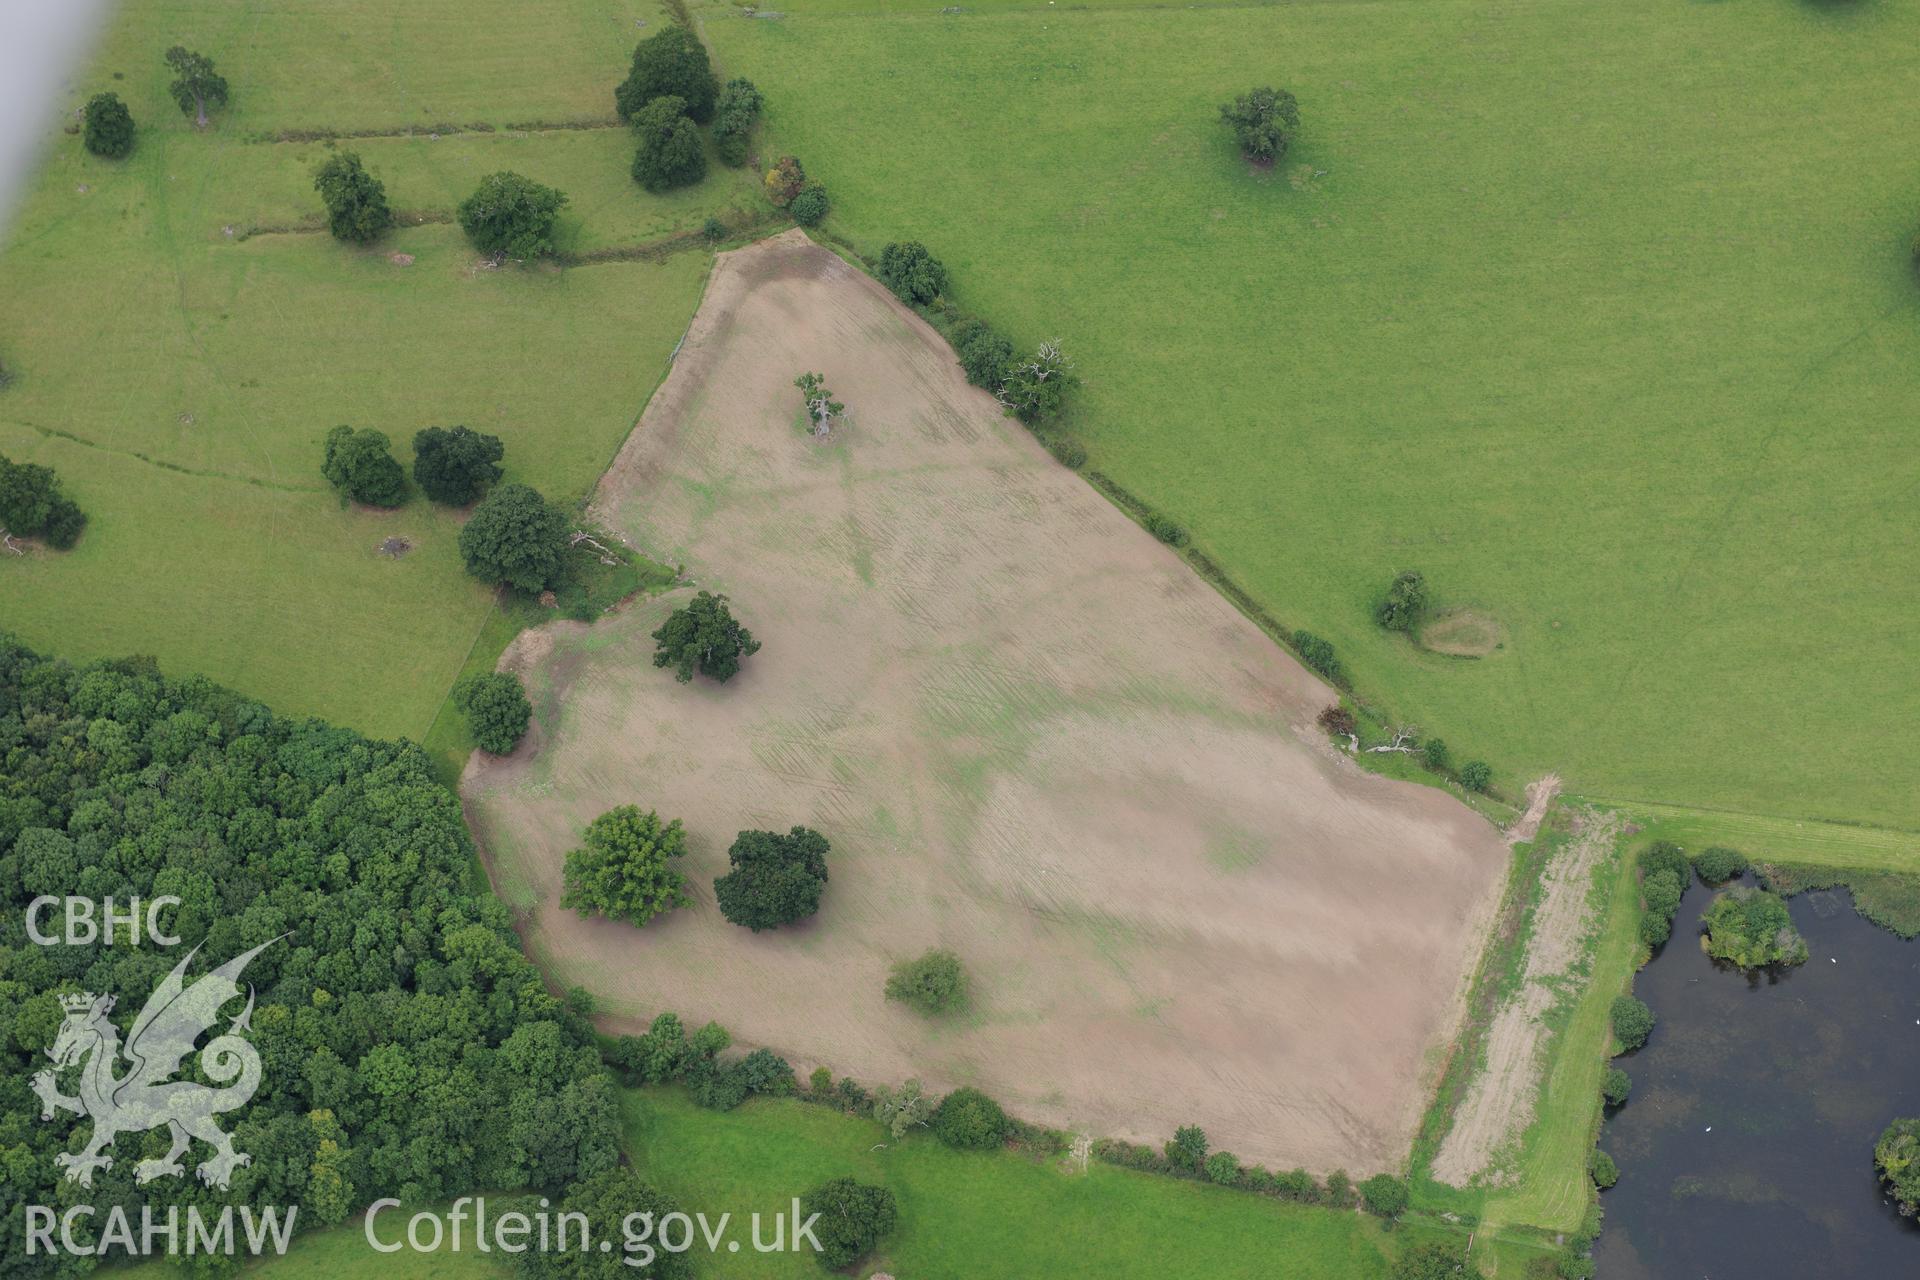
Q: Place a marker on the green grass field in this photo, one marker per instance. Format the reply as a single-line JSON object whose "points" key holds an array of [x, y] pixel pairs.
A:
{"points": [[179, 370], [1601, 315]]}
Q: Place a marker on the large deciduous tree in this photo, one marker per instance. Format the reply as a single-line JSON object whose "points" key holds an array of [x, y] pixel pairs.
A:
{"points": [[702, 636], [733, 116], [673, 63], [496, 709], [853, 1219], [670, 153], [623, 868], [1264, 122], [33, 506], [1897, 1156], [356, 201], [516, 538], [196, 85], [511, 216], [454, 465], [109, 126], [911, 272], [776, 879], [359, 465]]}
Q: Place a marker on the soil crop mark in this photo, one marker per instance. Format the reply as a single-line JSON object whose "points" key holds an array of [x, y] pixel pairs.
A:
{"points": [[1500, 1102], [1094, 767]]}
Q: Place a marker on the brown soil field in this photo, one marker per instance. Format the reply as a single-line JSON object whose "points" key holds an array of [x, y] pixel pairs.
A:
{"points": [[1032, 735]]}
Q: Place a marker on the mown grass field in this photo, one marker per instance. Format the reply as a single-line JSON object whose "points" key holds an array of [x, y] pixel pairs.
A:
{"points": [[1601, 315], [179, 368]]}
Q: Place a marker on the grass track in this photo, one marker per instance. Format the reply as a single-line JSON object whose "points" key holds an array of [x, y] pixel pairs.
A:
{"points": [[1600, 314]]}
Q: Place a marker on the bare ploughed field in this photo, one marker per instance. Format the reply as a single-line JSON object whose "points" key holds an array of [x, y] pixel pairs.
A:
{"points": [[1032, 736]]}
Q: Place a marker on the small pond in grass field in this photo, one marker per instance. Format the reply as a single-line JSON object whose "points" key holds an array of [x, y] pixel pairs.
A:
{"points": [[1746, 1148]]}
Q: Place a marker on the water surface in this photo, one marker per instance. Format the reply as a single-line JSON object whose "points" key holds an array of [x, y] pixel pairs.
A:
{"points": [[1746, 1149]]}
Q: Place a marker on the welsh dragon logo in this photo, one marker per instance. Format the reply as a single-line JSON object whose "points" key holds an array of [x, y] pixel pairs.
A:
{"points": [[146, 1097]]}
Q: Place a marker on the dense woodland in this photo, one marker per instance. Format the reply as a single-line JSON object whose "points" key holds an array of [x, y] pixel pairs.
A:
{"points": [[409, 1048]]}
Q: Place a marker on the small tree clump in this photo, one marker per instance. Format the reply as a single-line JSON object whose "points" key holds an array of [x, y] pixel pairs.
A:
{"points": [[1187, 1150], [1385, 1195], [971, 1121], [516, 538], [1897, 1157], [911, 272], [1632, 1022], [821, 408], [1033, 388], [1433, 1261], [776, 879], [109, 126], [1404, 604], [809, 205], [1718, 864], [496, 709], [1434, 752], [624, 869], [611, 1203], [670, 154], [454, 465], [900, 1110], [32, 505], [670, 63], [1604, 1171], [356, 201], [1661, 892], [1338, 721], [984, 354], [1615, 1086], [1168, 530], [1751, 928], [1223, 1168], [510, 216], [853, 1219], [1319, 656], [702, 636], [934, 984], [733, 115], [196, 85], [1264, 122], [360, 465], [1476, 775], [784, 180]]}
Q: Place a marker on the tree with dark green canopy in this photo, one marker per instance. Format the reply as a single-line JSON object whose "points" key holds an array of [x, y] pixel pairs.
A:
{"points": [[613, 1202], [454, 465], [496, 708], [109, 126], [32, 505], [410, 1050], [359, 465], [196, 85], [733, 116], [853, 1219], [776, 879], [670, 152], [911, 272], [1264, 122], [623, 868], [971, 1121], [672, 62], [515, 538], [702, 636], [356, 201], [1405, 602], [510, 216]]}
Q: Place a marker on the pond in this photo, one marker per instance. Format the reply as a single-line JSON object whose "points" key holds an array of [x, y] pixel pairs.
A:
{"points": [[1746, 1149]]}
